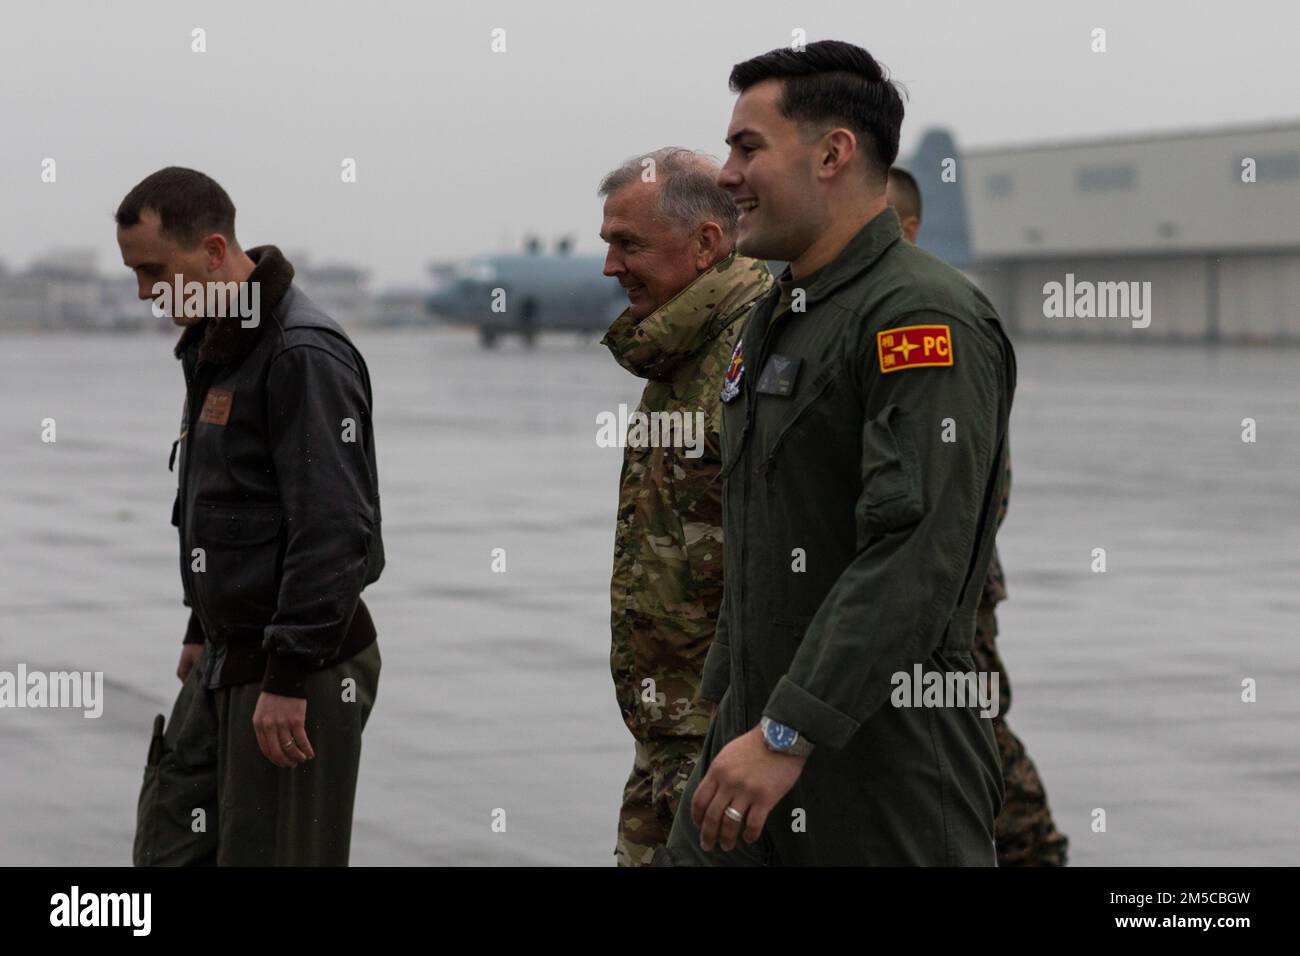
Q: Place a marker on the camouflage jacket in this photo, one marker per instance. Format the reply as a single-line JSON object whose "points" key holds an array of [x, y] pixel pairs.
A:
{"points": [[667, 581]]}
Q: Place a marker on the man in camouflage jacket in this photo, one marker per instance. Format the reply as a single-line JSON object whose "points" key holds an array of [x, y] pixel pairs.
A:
{"points": [[671, 234]]}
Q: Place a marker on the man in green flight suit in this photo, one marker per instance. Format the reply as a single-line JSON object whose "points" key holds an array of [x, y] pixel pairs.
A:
{"points": [[865, 414], [672, 235]]}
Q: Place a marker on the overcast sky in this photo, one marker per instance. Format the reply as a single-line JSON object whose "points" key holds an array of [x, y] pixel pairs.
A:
{"points": [[461, 150]]}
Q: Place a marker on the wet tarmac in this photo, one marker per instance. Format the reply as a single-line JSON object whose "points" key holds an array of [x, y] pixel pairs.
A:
{"points": [[495, 692]]}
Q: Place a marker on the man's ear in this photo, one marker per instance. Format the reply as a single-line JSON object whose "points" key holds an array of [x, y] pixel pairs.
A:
{"points": [[708, 245], [838, 148], [215, 249]]}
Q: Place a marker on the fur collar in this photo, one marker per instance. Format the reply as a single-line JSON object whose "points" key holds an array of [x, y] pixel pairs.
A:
{"points": [[224, 340]]}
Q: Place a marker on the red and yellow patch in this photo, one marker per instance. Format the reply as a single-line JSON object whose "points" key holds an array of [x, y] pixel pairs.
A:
{"points": [[914, 346], [216, 407]]}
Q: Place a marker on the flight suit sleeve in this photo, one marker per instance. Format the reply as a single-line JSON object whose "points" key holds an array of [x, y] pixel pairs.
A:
{"points": [[317, 410], [928, 441]]}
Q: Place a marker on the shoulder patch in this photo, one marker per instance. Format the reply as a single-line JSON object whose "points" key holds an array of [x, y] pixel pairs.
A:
{"points": [[914, 346]]}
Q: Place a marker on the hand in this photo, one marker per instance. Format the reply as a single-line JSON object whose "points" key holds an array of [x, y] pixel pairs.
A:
{"points": [[280, 724], [751, 778], [190, 654]]}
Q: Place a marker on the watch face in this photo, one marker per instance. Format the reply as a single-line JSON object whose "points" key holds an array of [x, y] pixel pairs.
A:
{"points": [[780, 736]]}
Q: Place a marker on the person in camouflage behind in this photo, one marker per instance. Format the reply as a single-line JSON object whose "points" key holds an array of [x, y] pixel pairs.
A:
{"points": [[1024, 830], [671, 235]]}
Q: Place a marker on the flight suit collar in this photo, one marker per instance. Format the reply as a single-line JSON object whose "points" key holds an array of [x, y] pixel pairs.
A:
{"points": [[689, 321], [857, 257]]}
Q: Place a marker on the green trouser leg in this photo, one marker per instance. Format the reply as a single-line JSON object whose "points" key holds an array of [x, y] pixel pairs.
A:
{"points": [[176, 819], [272, 816], [264, 815]]}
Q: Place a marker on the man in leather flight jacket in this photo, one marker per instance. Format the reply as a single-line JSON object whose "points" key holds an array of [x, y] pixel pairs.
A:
{"points": [[278, 514]]}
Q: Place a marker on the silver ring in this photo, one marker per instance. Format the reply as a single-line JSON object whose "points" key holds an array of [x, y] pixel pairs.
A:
{"points": [[731, 813], [289, 743]]}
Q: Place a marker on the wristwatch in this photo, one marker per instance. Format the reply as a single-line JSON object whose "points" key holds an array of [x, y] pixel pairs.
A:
{"points": [[784, 740]]}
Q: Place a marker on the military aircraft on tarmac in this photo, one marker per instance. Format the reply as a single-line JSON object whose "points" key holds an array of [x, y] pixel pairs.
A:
{"points": [[526, 293]]}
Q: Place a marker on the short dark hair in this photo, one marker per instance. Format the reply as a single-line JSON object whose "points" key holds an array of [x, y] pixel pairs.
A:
{"points": [[907, 187], [837, 82], [189, 204]]}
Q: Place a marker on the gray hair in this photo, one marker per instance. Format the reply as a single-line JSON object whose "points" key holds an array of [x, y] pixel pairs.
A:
{"points": [[688, 191]]}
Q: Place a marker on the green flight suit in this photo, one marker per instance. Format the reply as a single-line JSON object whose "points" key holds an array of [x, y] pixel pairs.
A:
{"points": [[253, 812], [860, 507]]}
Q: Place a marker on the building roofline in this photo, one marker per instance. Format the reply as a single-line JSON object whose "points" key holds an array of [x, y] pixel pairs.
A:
{"points": [[1085, 253], [1125, 139]]}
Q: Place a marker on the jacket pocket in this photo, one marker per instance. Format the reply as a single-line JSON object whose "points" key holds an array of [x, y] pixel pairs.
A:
{"points": [[242, 551], [792, 626], [891, 480]]}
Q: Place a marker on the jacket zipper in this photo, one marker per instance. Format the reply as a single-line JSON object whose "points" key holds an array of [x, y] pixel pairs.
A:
{"points": [[747, 439], [194, 411]]}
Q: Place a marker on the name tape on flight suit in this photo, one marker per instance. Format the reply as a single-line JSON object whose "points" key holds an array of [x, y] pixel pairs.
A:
{"points": [[914, 346]]}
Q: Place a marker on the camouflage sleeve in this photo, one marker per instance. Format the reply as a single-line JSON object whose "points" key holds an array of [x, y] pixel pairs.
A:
{"points": [[698, 494]]}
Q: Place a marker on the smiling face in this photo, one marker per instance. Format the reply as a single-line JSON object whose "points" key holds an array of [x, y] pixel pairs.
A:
{"points": [[156, 257], [653, 260], [771, 174]]}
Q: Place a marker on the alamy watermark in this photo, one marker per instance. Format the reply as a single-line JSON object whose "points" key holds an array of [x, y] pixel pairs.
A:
{"points": [[83, 690], [213, 300], [75, 908], [1100, 300], [923, 688], [651, 430]]}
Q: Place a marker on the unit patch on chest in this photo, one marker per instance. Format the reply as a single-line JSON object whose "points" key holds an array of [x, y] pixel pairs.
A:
{"points": [[735, 371], [216, 407]]}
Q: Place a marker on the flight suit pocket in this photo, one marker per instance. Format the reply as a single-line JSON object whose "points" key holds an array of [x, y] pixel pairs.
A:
{"points": [[180, 778], [802, 414], [242, 553], [793, 625], [780, 641], [891, 480]]}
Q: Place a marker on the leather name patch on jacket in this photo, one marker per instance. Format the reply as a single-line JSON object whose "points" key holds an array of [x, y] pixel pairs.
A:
{"points": [[216, 407], [914, 346]]}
